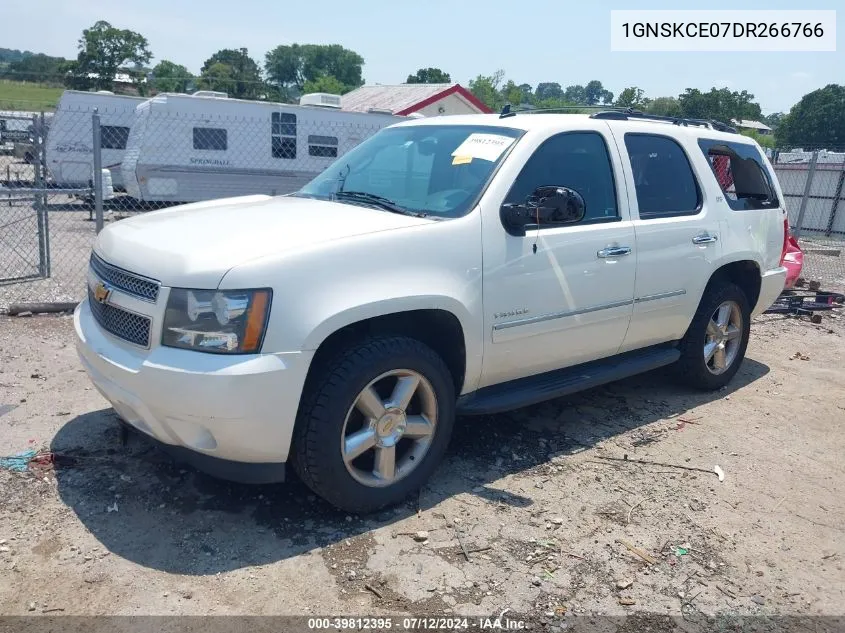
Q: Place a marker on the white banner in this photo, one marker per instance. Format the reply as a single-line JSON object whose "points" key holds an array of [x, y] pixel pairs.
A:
{"points": [[723, 30]]}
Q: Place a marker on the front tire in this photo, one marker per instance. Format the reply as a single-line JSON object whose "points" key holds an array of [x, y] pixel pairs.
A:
{"points": [[714, 346], [374, 423]]}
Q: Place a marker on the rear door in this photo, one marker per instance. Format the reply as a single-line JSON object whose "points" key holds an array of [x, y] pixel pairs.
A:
{"points": [[677, 231]]}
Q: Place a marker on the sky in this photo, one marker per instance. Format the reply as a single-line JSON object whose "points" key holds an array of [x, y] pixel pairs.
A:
{"points": [[530, 40]]}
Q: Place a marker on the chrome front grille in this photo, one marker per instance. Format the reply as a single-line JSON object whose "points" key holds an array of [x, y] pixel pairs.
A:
{"points": [[121, 323], [130, 283]]}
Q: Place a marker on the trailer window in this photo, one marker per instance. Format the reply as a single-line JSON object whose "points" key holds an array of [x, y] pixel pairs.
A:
{"points": [[113, 136], [283, 134], [322, 146], [212, 138]]}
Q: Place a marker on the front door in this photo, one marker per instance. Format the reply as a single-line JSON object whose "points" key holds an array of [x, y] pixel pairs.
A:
{"points": [[561, 294]]}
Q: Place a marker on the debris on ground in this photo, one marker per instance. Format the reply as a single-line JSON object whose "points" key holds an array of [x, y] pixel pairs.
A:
{"points": [[799, 356], [719, 472], [19, 462], [635, 550], [624, 583]]}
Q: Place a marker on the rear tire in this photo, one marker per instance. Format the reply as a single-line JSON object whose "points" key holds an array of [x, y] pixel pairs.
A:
{"points": [[714, 346], [374, 423]]}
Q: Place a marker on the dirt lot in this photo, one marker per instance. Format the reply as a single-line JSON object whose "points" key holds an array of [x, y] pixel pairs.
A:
{"points": [[526, 514]]}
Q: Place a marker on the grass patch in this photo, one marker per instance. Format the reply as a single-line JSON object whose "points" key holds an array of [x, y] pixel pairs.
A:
{"points": [[20, 95]]}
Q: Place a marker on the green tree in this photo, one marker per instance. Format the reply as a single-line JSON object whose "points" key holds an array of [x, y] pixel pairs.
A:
{"points": [[664, 106], [289, 67], [575, 94], [720, 104], [817, 121], [766, 140], [594, 93], [774, 120], [170, 77], [105, 50], [486, 89], [243, 76], [632, 97], [325, 84], [429, 76], [527, 93], [548, 90], [219, 77], [512, 94], [38, 67]]}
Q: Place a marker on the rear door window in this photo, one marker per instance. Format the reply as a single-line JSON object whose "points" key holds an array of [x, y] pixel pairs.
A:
{"points": [[663, 177]]}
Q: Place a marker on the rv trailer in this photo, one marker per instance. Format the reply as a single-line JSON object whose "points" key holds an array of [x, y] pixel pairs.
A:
{"points": [[70, 159], [188, 148]]}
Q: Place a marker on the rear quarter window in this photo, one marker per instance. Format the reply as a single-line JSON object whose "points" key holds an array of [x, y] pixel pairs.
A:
{"points": [[741, 173]]}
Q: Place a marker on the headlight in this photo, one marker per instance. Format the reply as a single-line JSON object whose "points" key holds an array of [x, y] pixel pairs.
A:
{"points": [[219, 321]]}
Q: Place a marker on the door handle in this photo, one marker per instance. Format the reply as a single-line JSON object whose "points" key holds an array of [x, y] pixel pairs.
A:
{"points": [[614, 251], [705, 239]]}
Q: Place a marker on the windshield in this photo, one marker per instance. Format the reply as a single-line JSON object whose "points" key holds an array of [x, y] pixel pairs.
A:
{"points": [[437, 170]]}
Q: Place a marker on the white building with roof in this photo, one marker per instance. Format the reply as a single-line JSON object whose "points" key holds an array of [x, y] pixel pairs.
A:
{"points": [[745, 124], [406, 99]]}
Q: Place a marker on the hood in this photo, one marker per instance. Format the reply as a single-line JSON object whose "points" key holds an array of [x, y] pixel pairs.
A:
{"points": [[194, 245]]}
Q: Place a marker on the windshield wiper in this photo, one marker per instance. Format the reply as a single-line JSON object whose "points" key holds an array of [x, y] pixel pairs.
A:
{"points": [[379, 201]]}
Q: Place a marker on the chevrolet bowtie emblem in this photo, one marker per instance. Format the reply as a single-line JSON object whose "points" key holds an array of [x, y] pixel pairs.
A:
{"points": [[101, 292]]}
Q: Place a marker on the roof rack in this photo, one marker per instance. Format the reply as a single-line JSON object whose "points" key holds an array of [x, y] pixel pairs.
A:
{"points": [[617, 113], [626, 115], [508, 110]]}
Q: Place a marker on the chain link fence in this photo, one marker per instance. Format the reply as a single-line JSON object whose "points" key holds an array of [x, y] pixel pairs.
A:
{"points": [[813, 184], [64, 175]]}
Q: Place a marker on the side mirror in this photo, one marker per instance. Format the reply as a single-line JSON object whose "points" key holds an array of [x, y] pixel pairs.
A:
{"points": [[548, 205]]}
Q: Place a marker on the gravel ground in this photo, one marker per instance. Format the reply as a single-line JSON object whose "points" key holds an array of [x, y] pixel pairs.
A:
{"points": [[530, 512]]}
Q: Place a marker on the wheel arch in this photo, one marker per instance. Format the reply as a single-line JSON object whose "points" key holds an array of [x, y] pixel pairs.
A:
{"points": [[439, 327], [745, 273]]}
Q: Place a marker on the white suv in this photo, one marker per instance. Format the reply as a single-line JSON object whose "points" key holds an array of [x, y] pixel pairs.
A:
{"points": [[449, 265]]}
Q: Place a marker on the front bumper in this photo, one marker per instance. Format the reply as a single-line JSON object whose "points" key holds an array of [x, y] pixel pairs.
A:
{"points": [[231, 416], [772, 284]]}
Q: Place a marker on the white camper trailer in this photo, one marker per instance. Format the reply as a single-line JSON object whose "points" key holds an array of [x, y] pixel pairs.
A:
{"points": [[187, 148], [70, 159]]}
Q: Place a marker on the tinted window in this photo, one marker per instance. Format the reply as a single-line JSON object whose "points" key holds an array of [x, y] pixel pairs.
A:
{"points": [[322, 146], [211, 138], [663, 177], [578, 160], [739, 170], [113, 136], [283, 135]]}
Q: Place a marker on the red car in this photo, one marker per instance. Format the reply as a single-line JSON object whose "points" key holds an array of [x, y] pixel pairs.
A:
{"points": [[792, 258]]}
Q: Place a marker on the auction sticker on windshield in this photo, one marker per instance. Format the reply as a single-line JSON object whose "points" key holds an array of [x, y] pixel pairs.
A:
{"points": [[483, 146]]}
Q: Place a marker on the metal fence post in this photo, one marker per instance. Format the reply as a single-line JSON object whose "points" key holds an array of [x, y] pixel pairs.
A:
{"points": [[39, 207], [805, 198], [98, 171], [837, 196], [40, 151]]}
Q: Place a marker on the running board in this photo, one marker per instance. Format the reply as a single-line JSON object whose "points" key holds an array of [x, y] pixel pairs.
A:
{"points": [[523, 392]]}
